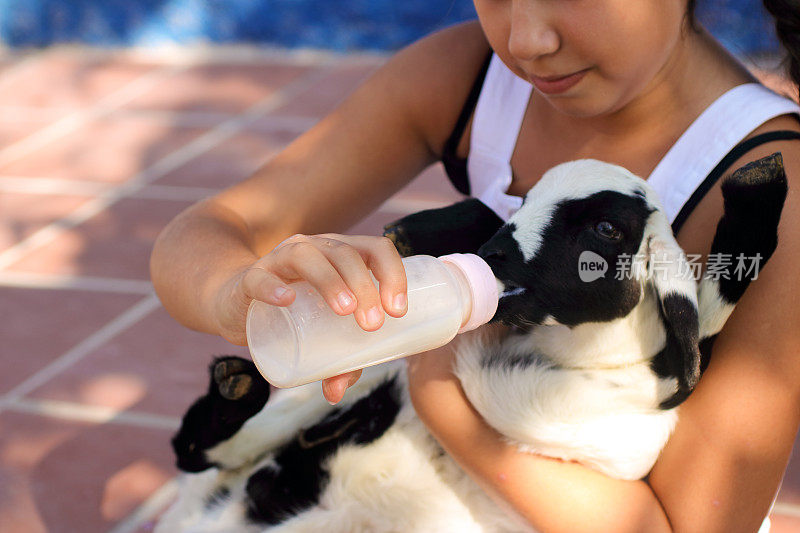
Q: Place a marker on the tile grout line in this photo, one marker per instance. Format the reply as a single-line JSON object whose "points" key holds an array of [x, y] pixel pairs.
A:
{"points": [[195, 119], [83, 348], [91, 413], [37, 185], [51, 186], [166, 164], [178, 118], [31, 280], [66, 125], [149, 509]]}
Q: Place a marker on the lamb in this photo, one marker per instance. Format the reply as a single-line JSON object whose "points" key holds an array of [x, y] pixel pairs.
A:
{"points": [[591, 370]]}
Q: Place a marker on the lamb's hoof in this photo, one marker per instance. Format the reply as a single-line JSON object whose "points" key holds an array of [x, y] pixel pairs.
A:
{"points": [[233, 377], [236, 392]]}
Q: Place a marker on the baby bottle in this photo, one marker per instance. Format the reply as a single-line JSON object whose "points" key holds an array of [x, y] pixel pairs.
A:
{"points": [[306, 341]]}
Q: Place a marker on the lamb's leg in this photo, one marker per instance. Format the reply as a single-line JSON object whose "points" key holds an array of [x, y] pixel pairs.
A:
{"points": [[233, 424], [459, 228], [235, 393], [231, 432], [754, 196]]}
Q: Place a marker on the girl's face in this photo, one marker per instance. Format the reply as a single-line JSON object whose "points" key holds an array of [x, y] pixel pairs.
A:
{"points": [[611, 51]]}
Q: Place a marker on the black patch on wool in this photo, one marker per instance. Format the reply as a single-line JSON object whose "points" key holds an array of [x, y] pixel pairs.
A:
{"points": [[551, 278], [660, 365], [706, 346], [680, 357], [298, 476]]}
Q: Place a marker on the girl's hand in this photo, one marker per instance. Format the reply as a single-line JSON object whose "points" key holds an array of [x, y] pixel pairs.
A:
{"points": [[337, 266]]}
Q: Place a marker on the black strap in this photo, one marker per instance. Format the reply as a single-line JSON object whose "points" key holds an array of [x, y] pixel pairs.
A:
{"points": [[738, 151], [456, 167]]}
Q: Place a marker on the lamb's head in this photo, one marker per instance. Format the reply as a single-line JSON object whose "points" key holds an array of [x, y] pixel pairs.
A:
{"points": [[589, 245]]}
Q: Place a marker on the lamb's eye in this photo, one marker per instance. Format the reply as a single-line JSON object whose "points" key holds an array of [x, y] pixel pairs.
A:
{"points": [[607, 230]]}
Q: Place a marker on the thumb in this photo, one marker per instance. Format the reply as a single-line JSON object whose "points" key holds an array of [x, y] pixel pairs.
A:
{"points": [[260, 284]]}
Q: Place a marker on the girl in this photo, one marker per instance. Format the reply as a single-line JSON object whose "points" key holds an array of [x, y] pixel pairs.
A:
{"points": [[640, 84]]}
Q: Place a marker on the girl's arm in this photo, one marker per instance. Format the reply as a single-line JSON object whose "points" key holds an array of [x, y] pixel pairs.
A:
{"points": [[722, 466], [384, 134], [549, 494]]}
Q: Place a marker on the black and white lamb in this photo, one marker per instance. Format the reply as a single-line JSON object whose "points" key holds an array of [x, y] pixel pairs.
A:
{"points": [[591, 370]]}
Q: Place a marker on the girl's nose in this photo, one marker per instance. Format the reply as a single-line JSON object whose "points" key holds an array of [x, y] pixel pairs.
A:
{"points": [[531, 34]]}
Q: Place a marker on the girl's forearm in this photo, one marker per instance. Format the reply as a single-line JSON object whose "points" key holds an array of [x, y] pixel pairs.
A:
{"points": [[548, 494], [194, 255]]}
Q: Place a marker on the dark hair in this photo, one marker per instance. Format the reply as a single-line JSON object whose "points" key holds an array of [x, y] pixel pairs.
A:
{"points": [[787, 27]]}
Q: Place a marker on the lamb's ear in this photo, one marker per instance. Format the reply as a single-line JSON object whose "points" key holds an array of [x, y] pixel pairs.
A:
{"points": [[670, 278], [459, 228]]}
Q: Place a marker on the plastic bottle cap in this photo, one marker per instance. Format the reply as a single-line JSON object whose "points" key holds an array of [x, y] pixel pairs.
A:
{"points": [[482, 286]]}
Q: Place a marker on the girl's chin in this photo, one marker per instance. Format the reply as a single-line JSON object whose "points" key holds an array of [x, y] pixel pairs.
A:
{"points": [[578, 107], [583, 104]]}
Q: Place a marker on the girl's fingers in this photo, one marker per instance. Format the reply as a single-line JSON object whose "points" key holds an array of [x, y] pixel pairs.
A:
{"points": [[347, 260], [304, 261], [381, 257], [334, 388], [338, 267]]}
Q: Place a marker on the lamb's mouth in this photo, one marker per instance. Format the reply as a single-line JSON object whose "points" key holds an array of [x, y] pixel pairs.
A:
{"points": [[509, 288]]}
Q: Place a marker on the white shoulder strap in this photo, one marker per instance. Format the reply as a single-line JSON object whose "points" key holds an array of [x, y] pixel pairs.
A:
{"points": [[495, 127], [710, 137]]}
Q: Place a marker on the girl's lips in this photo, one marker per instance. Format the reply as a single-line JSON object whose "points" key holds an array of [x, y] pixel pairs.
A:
{"points": [[557, 85]]}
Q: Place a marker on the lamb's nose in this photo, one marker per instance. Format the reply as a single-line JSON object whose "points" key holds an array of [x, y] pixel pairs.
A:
{"points": [[492, 254]]}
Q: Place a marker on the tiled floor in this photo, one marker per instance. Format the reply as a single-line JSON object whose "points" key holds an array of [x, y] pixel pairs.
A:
{"points": [[97, 154]]}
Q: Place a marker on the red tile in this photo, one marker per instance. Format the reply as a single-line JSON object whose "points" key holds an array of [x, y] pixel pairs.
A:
{"points": [[320, 99], [112, 149], [231, 161], [79, 81], [12, 131], [60, 476], [115, 243], [23, 214], [225, 88], [40, 325], [156, 366]]}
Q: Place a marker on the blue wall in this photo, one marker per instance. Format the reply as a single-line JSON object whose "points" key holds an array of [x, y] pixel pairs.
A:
{"points": [[340, 25]]}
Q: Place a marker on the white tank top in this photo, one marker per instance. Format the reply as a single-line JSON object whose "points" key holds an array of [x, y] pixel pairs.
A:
{"points": [[504, 98]]}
